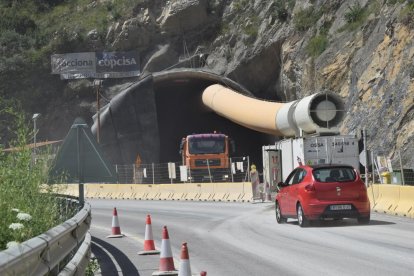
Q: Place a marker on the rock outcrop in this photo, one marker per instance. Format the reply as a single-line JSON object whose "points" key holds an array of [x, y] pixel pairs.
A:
{"points": [[283, 50]]}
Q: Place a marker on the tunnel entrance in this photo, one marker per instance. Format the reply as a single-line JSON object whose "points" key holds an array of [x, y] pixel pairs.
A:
{"points": [[180, 112], [149, 119]]}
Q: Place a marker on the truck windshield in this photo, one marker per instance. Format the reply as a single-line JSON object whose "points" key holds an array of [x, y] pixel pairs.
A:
{"points": [[206, 145]]}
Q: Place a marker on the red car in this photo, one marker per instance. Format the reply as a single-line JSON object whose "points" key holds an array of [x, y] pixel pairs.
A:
{"points": [[321, 192]]}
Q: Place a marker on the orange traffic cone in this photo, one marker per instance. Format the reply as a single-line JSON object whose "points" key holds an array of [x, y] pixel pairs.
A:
{"points": [[149, 246], [185, 269], [116, 230], [166, 259]]}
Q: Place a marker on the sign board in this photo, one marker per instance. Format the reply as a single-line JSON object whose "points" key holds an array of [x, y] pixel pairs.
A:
{"points": [[80, 158], [96, 65], [171, 170], [183, 173]]}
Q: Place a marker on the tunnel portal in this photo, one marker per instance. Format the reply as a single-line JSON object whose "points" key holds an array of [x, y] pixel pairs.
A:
{"points": [[152, 116], [180, 112]]}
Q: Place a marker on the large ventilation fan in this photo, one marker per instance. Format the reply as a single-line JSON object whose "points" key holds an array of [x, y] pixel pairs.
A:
{"points": [[327, 110]]}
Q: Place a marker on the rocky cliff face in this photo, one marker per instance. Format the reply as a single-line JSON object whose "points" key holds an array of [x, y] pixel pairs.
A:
{"points": [[264, 45], [283, 50]]}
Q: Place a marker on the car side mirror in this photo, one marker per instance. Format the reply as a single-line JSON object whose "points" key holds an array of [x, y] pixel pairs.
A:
{"points": [[281, 184]]}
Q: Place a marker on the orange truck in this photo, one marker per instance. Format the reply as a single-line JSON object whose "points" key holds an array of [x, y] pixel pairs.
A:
{"points": [[207, 155]]}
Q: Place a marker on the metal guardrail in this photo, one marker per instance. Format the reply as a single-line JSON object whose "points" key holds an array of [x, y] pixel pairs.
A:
{"points": [[43, 254]]}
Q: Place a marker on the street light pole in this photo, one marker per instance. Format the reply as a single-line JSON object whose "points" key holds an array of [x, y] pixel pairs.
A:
{"points": [[97, 84], [35, 116]]}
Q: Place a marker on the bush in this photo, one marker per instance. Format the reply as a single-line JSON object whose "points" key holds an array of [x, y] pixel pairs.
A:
{"points": [[281, 11], [251, 27], [357, 15], [304, 19], [27, 208], [354, 13], [407, 15], [317, 45]]}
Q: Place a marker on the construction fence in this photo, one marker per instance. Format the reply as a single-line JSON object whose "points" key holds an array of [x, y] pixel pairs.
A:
{"points": [[389, 170], [176, 172]]}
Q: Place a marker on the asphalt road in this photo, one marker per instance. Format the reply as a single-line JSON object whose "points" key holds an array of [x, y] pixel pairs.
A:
{"points": [[244, 239]]}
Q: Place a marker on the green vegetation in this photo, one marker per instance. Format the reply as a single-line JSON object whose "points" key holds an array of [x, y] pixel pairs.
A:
{"points": [[282, 8], [356, 15], [27, 206], [317, 45], [32, 30], [240, 5], [304, 19], [407, 15], [93, 266], [251, 28], [393, 2]]}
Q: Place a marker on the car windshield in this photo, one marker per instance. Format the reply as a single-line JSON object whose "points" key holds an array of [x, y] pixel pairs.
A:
{"points": [[334, 174], [203, 145]]}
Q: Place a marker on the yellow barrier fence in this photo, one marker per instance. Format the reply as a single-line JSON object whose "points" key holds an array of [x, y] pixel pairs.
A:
{"points": [[207, 192], [221, 190], [384, 198], [405, 205], [192, 191], [388, 198], [373, 194]]}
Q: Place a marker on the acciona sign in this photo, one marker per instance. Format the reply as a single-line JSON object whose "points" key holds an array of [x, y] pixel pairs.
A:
{"points": [[96, 65]]}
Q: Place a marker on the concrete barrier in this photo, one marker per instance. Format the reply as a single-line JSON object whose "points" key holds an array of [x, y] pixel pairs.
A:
{"points": [[373, 194], [139, 191], [68, 189], [247, 194], [405, 205], [193, 191], [235, 191], [221, 191], [122, 191], [207, 192], [384, 198], [93, 190], [152, 192], [388, 198], [166, 191]]}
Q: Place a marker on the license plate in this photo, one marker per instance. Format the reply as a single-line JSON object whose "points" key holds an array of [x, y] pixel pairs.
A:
{"points": [[341, 207]]}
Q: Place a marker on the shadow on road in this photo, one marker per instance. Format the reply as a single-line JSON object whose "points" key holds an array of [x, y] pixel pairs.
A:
{"points": [[342, 223], [107, 265]]}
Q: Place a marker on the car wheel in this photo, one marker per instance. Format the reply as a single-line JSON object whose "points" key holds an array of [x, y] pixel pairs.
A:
{"points": [[302, 220], [279, 217], [364, 220]]}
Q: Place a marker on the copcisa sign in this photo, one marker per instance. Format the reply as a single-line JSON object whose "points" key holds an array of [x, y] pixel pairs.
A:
{"points": [[96, 65]]}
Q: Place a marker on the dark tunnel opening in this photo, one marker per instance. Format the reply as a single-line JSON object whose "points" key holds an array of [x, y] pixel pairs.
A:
{"points": [[180, 112]]}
